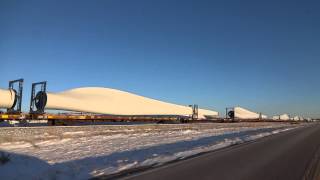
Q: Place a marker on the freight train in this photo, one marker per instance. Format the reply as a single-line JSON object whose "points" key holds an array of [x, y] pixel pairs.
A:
{"points": [[92, 106]]}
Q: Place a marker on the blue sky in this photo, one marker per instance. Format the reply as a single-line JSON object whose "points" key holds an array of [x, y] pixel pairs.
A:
{"points": [[261, 55]]}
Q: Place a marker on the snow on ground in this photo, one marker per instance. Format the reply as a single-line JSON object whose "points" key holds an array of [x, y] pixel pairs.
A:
{"points": [[87, 151]]}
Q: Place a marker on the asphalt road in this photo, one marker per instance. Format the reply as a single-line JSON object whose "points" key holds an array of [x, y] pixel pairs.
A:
{"points": [[288, 155]]}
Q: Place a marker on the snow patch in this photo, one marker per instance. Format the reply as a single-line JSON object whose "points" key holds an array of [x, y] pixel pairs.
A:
{"points": [[95, 155]]}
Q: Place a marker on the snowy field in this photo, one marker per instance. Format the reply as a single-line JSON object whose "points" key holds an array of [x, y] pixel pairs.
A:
{"points": [[82, 152]]}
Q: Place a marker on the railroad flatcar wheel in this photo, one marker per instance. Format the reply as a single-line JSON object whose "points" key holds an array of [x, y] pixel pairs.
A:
{"points": [[51, 122]]}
